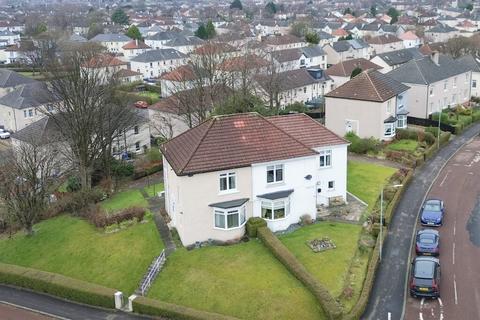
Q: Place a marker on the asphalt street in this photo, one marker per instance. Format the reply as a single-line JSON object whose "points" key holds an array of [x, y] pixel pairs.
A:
{"points": [[388, 294], [55, 308]]}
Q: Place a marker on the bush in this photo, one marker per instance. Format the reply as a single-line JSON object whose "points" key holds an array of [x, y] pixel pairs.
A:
{"points": [[122, 168], [154, 155], [429, 138], [329, 305], [445, 137], [253, 224], [57, 285], [76, 202], [153, 88], [306, 219], [73, 184], [145, 171], [101, 220], [406, 134], [432, 130], [362, 145], [172, 311]]}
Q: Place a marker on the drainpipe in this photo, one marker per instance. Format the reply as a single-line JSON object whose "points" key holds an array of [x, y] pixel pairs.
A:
{"points": [[15, 119], [428, 95]]}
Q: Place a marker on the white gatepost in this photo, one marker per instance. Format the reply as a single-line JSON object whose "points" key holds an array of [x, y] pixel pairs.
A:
{"points": [[130, 302], [118, 300]]}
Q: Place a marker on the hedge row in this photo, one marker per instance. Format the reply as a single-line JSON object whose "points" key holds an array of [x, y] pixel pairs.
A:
{"points": [[57, 285], [253, 224], [359, 308], [396, 198], [159, 308], [329, 305]]}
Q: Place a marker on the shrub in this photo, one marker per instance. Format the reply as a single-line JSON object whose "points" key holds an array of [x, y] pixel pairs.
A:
{"points": [[429, 138], [445, 137], [306, 219], [153, 88], [100, 219], [122, 168], [432, 130], [362, 145], [57, 285], [73, 184], [154, 155], [172, 311], [407, 134], [329, 305], [253, 224], [76, 202]]}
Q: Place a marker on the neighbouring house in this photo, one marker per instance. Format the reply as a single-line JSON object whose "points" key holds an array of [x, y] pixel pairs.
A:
{"points": [[158, 40], [133, 48], [410, 40], [112, 41], [179, 79], [216, 50], [11, 80], [184, 44], [17, 53], [24, 105], [230, 168], [296, 58], [239, 69], [441, 33], [471, 62], [369, 105], [385, 43], [8, 38], [300, 85], [346, 50], [394, 59], [342, 71], [153, 63], [435, 82], [325, 38], [287, 41], [105, 67], [129, 76]]}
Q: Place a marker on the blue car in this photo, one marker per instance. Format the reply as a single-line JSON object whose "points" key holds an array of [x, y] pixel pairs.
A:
{"points": [[428, 242], [432, 214]]}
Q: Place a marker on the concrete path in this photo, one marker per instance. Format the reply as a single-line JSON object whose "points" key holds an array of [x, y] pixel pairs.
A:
{"points": [[388, 294]]}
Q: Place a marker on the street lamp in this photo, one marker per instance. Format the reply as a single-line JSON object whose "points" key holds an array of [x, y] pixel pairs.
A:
{"points": [[381, 218], [438, 131]]}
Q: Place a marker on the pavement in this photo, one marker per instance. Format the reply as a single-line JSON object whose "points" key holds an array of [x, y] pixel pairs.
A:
{"points": [[457, 185], [43, 307], [388, 294]]}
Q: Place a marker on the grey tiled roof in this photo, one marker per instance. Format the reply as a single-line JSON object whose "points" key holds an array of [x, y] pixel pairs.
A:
{"points": [[441, 29], [397, 57], [9, 78], [44, 130], [276, 195], [164, 35], [110, 37], [27, 96], [324, 35], [229, 204], [469, 62], [344, 45], [425, 71], [313, 51], [184, 41], [159, 55]]}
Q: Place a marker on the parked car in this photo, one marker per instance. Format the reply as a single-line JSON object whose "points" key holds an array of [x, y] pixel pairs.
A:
{"points": [[433, 211], [428, 242], [4, 134], [425, 278]]}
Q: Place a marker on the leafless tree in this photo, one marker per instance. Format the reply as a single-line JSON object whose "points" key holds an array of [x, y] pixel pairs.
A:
{"points": [[28, 175]]}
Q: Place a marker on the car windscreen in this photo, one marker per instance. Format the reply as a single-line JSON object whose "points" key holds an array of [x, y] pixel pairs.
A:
{"points": [[428, 238], [432, 206], [424, 269]]}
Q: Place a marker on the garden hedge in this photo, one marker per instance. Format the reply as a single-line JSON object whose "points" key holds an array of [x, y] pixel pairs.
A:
{"points": [[57, 285], [359, 308], [253, 224], [396, 198], [330, 306], [159, 308]]}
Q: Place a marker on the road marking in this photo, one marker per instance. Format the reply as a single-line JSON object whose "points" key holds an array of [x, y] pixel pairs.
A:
{"points": [[389, 316], [420, 315], [453, 253], [444, 178], [454, 227], [455, 288], [421, 302], [33, 310], [440, 302]]}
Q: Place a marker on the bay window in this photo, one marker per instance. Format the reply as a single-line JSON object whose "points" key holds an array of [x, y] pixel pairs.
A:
{"points": [[325, 158], [275, 209], [229, 218], [389, 129], [275, 173], [401, 121]]}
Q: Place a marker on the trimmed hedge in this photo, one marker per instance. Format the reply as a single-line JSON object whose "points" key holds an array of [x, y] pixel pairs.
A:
{"points": [[396, 198], [359, 308], [57, 285], [330, 306], [159, 308], [253, 224]]}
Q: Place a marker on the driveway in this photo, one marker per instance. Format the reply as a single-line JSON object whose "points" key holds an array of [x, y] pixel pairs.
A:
{"points": [[388, 293], [458, 186]]}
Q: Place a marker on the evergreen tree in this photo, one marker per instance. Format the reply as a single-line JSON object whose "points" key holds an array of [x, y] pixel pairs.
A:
{"points": [[271, 8], [202, 32], [312, 38], [394, 14], [356, 72], [236, 4], [119, 17], [373, 10], [134, 33], [347, 11], [210, 28]]}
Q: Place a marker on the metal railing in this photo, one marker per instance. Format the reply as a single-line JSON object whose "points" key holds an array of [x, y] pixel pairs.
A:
{"points": [[155, 267]]}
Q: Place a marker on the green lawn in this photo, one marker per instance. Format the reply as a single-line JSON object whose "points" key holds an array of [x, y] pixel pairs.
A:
{"points": [[152, 95], [154, 189], [403, 145], [329, 267], [366, 179], [72, 247], [243, 280], [123, 200]]}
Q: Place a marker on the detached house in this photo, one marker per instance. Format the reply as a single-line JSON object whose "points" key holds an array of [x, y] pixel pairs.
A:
{"points": [[306, 57], [112, 41], [342, 71], [230, 168], [346, 50], [134, 48], [385, 43], [153, 63], [369, 105], [441, 33], [436, 82]]}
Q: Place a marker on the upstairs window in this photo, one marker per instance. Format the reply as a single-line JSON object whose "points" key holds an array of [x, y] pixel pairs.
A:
{"points": [[228, 181], [325, 158], [275, 173], [135, 130]]}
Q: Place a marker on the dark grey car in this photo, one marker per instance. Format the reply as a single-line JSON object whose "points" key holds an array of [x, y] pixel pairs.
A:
{"points": [[425, 278]]}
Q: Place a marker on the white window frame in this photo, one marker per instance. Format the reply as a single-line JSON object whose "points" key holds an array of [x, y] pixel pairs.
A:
{"points": [[275, 167], [227, 176], [401, 121], [474, 83], [327, 158], [390, 125], [455, 82], [431, 91], [445, 85], [137, 146], [240, 211], [389, 106], [333, 185], [275, 205]]}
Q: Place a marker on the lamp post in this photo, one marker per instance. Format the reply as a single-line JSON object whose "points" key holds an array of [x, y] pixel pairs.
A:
{"points": [[381, 219], [438, 131]]}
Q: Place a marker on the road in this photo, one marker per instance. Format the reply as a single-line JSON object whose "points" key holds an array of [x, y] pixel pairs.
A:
{"points": [[11, 312], [55, 308], [388, 294], [458, 185]]}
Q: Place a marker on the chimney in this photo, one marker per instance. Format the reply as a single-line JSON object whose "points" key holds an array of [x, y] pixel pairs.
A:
{"points": [[434, 56], [136, 43]]}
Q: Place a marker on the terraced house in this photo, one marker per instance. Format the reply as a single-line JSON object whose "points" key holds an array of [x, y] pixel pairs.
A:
{"points": [[230, 168]]}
